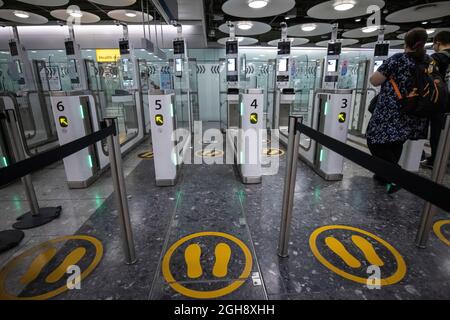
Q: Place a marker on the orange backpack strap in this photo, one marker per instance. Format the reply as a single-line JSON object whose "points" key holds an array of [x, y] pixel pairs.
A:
{"points": [[396, 89]]}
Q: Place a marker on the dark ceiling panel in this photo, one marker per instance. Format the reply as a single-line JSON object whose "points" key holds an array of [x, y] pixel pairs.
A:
{"points": [[215, 17]]}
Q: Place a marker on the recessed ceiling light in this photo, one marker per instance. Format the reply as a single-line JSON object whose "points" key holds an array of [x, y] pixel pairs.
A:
{"points": [[245, 25], [33, 51], [430, 31], [258, 4], [309, 27], [130, 14], [343, 5], [22, 14], [60, 50], [370, 29], [358, 20], [239, 39], [428, 44], [424, 22], [76, 13]]}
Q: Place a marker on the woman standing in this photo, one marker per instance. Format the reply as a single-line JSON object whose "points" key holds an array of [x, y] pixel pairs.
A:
{"points": [[389, 128]]}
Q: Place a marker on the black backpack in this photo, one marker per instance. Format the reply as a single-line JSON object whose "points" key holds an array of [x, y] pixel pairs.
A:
{"points": [[429, 93]]}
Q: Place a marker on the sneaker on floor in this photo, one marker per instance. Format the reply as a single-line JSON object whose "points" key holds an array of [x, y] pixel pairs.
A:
{"points": [[392, 188]]}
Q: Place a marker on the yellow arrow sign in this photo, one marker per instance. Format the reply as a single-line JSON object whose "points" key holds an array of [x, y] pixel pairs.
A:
{"points": [[342, 117], [254, 118], [63, 122], [146, 155], [159, 119], [211, 153]]}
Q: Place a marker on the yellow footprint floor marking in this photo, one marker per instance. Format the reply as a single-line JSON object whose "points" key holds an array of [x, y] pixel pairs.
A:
{"points": [[72, 259], [369, 251], [192, 256], [337, 247], [223, 255], [37, 265]]}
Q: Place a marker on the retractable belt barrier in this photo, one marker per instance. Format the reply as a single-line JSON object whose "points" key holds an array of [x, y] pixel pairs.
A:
{"points": [[436, 195], [422, 187], [109, 132], [30, 165]]}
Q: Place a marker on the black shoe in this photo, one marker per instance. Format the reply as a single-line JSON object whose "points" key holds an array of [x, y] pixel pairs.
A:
{"points": [[428, 163], [392, 188], [379, 179]]}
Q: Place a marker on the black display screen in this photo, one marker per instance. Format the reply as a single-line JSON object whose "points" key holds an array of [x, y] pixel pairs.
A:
{"points": [[232, 47], [381, 50], [124, 47], [70, 50], [284, 47], [178, 47], [13, 48], [334, 49]]}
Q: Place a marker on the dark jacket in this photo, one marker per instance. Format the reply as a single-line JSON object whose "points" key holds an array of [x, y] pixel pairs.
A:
{"points": [[442, 62]]}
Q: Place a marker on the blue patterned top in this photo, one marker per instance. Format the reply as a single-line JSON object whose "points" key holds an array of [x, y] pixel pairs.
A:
{"points": [[387, 123]]}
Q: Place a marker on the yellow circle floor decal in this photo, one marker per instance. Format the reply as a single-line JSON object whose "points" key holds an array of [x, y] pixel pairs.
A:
{"points": [[438, 231], [273, 152], [209, 153], [36, 265], [192, 256], [146, 155], [349, 261]]}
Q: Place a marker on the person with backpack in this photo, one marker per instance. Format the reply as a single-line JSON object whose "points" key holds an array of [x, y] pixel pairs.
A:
{"points": [[441, 45], [390, 126]]}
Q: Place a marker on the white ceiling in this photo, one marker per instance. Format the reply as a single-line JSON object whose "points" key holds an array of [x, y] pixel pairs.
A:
{"points": [[190, 10], [33, 18], [294, 42], [97, 36], [46, 3], [246, 41], [240, 8], [114, 3], [325, 10], [421, 12], [257, 28], [393, 43], [63, 14], [358, 33], [345, 42], [120, 14], [321, 28]]}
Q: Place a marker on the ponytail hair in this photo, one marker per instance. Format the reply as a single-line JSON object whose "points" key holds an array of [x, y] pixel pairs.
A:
{"points": [[415, 40]]}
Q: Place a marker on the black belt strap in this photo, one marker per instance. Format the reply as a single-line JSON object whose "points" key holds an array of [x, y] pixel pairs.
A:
{"points": [[422, 187], [30, 165]]}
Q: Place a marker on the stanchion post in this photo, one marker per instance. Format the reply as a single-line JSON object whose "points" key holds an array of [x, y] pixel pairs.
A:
{"points": [[19, 154], [37, 216], [118, 178], [439, 171], [289, 185]]}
